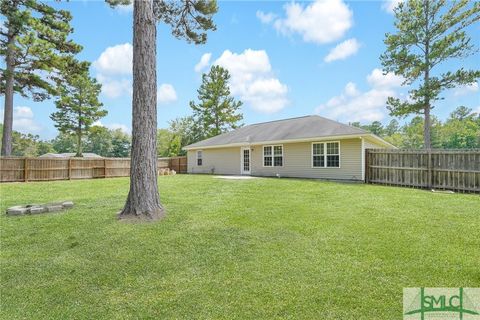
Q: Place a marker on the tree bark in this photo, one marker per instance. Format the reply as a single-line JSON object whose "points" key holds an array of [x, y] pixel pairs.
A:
{"points": [[79, 145], [79, 136], [427, 144], [8, 109], [143, 200], [426, 128]]}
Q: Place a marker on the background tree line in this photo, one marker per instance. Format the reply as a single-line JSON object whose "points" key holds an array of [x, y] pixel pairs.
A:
{"points": [[461, 130], [100, 140]]}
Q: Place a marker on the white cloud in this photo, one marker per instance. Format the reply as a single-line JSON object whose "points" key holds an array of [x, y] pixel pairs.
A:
{"points": [[204, 62], [389, 5], [114, 70], [322, 21], [23, 112], [113, 126], [267, 95], [351, 89], [23, 120], [166, 94], [380, 80], [266, 17], [343, 50], [466, 89], [125, 8], [116, 60], [354, 105], [114, 88], [253, 81]]}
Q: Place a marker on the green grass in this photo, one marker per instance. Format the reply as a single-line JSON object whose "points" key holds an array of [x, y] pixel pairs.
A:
{"points": [[251, 249]]}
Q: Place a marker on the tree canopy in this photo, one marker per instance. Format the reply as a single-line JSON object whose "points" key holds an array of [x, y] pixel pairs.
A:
{"points": [[461, 130], [34, 41], [217, 111], [78, 106], [429, 33]]}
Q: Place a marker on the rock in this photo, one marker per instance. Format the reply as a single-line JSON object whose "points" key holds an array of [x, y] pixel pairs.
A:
{"points": [[53, 208], [67, 204], [17, 211], [36, 210], [173, 172], [39, 208]]}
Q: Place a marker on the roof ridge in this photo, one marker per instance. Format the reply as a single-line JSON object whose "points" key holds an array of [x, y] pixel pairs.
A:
{"points": [[344, 124], [254, 124]]}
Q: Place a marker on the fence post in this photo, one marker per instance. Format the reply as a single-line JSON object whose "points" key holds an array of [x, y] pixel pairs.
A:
{"points": [[104, 168], [429, 167], [25, 170], [366, 165], [69, 168]]}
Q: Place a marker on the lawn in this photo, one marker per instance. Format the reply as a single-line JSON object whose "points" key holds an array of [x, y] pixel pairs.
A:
{"points": [[249, 249]]}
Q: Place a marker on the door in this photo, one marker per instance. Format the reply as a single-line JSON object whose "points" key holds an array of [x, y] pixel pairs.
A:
{"points": [[245, 160]]}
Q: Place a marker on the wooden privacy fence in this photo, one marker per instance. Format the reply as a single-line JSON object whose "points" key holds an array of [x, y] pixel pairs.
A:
{"points": [[457, 170], [45, 169]]}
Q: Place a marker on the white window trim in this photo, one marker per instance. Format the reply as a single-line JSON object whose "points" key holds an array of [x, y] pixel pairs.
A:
{"points": [[273, 155], [325, 155], [199, 158]]}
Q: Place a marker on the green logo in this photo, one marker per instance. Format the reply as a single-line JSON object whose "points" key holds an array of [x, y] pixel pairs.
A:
{"points": [[441, 303]]}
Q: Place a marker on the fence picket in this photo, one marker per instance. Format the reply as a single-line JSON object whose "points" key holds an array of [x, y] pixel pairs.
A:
{"points": [[16, 169], [457, 170]]}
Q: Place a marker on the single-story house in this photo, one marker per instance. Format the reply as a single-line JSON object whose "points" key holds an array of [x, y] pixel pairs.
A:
{"points": [[304, 147]]}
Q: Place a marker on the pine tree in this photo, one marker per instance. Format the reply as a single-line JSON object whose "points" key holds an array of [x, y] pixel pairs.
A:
{"points": [[34, 42], [392, 127], [217, 111], [121, 143], [78, 107], [429, 33], [188, 19]]}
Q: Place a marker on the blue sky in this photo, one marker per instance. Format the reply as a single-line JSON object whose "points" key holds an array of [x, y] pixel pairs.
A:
{"points": [[287, 59]]}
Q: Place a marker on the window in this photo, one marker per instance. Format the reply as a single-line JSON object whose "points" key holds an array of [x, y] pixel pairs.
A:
{"points": [[326, 154], [318, 155], [199, 157], [273, 156], [333, 155], [267, 156]]}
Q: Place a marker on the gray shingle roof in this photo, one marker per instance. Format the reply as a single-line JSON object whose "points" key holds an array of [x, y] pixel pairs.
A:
{"points": [[287, 129]]}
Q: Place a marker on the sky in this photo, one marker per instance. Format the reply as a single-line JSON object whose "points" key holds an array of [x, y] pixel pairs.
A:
{"points": [[286, 59]]}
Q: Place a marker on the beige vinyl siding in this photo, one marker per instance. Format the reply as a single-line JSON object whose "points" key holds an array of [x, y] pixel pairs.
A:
{"points": [[217, 161], [371, 145], [297, 162]]}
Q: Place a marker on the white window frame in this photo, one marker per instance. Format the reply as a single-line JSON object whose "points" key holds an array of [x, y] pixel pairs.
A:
{"points": [[272, 155], [199, 151], [325, 155]]}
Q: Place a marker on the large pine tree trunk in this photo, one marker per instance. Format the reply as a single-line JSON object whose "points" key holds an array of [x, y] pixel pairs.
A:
{"points": [[427, 144], [426, 129], [8, 109], [143, 198]]}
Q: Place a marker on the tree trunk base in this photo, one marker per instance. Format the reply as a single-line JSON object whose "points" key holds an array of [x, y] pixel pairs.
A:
{"points": [[147, 215]]}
